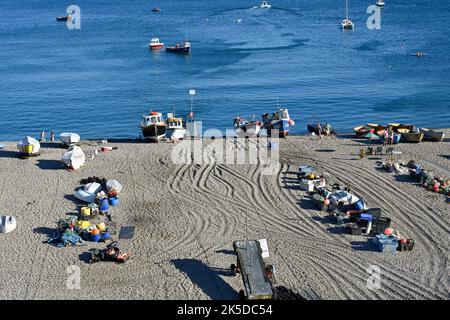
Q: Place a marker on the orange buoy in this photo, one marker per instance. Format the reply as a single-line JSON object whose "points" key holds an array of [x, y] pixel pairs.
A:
{"points": [[95, 231], [388, 231]]}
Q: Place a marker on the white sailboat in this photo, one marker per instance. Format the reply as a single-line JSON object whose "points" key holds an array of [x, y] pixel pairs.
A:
{"points": [[346, 23], [380, 3]]}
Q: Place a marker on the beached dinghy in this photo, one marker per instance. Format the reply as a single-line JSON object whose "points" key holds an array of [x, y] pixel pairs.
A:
{"points": [[401, 128], [7, 224], [74, 157], [412, 136], [29, 146], [69, 138], [432, 135], [362, 130], [153, 126]]}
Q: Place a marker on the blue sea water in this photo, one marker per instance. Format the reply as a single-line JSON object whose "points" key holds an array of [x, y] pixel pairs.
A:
{"points": [[99, 80]]}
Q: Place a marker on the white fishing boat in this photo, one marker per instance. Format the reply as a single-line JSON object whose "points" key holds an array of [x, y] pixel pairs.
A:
{"points": [[175, 129], [69, 138], [7, 224], [346, 23], [153, 126], [380, 3], [29, 146], [265, 5], [74, 158]]}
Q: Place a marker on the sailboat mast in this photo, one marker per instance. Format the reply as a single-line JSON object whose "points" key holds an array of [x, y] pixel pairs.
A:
{"points": [[346, 9]]}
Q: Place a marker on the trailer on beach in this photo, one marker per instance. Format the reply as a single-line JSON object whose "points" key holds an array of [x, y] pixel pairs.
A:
{"points": [[258, 278]]}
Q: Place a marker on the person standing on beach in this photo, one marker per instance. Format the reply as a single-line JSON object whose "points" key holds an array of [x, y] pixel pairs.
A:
{"points": [[319, 130], [42, 138], [327, 129], [391, 137], [52, 136], [386, 137]]}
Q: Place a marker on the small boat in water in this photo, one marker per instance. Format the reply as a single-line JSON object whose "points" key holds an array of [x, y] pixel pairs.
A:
{"points": [[69, 138], [265, 5], [245, 128], [346, 23], [412, 136], [153, 126], [279, 120], [74, 158], [431, 135], [155, 44], [156, 10], [175, 128], [380, 3], [63, 18], [185, 47], [29, 146]]}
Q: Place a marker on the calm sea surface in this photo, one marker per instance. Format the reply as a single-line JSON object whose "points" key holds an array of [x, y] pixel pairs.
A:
{"points": [[99, 80]]}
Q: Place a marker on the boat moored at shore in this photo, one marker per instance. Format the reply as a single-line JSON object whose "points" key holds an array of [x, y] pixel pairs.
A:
{"points": [[431, 135], [279, 120], [175, 128], [245, 128]]}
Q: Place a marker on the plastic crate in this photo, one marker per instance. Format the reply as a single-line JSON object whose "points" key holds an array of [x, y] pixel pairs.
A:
{"points": [[385, 244]]}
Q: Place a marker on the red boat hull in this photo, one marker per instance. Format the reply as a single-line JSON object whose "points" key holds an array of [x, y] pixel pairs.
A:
{"points": [[156, 47]]}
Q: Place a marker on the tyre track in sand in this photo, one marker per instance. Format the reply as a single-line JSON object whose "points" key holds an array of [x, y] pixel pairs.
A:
{"points": [[383, 197]]}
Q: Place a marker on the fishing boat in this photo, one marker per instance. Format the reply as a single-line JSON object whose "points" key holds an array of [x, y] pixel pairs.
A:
{"points": [[175, 128], [431, 135], [380, 3], [7, 224], [377, 128], [265, 5], [153, 126], [346, 23], [156, 10], [279, 120], [29, 146], [245, 128], [74, 158], [63, 18], [69, 138], [412, 136], [155, 44], [185, 47]]}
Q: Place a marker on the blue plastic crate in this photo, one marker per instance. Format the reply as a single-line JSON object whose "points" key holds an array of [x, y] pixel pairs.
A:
{"points": [[383, 243]]}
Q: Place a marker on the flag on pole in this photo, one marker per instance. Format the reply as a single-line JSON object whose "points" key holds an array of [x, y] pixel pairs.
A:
{"points": [[192, 92]]}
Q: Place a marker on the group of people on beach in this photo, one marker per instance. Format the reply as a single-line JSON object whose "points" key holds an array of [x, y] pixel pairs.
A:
{"points": [[388, 136], [326, 131], [42, 136]]}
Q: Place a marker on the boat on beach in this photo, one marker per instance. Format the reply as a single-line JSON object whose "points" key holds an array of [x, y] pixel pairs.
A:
{"points": [[175, 128], [29, 146], [74, 158], [362, 130], [69, 138], [184, 48], [279, 120], [431, 135], [155, 44], [401, 128], [153, 126], [412, 136], [245, 128]]}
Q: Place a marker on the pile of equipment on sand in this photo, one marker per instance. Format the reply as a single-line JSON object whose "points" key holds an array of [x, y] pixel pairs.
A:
{"points": [[351, 212], [93, 222], [426, 178]]}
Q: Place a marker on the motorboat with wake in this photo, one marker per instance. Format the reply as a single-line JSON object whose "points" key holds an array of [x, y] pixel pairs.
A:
{"points": [[265, 5], [153, 126]]}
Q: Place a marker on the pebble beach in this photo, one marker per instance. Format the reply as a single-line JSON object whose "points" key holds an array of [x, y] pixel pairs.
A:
{"points": [[186, 217]]}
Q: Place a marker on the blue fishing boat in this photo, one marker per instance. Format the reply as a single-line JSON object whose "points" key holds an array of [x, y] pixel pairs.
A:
{"points": [[279, 120]]}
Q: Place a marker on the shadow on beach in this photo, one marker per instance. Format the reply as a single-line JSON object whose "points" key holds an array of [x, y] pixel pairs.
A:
{"points": [[10, 154], [206, 278], [50, 164]]}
